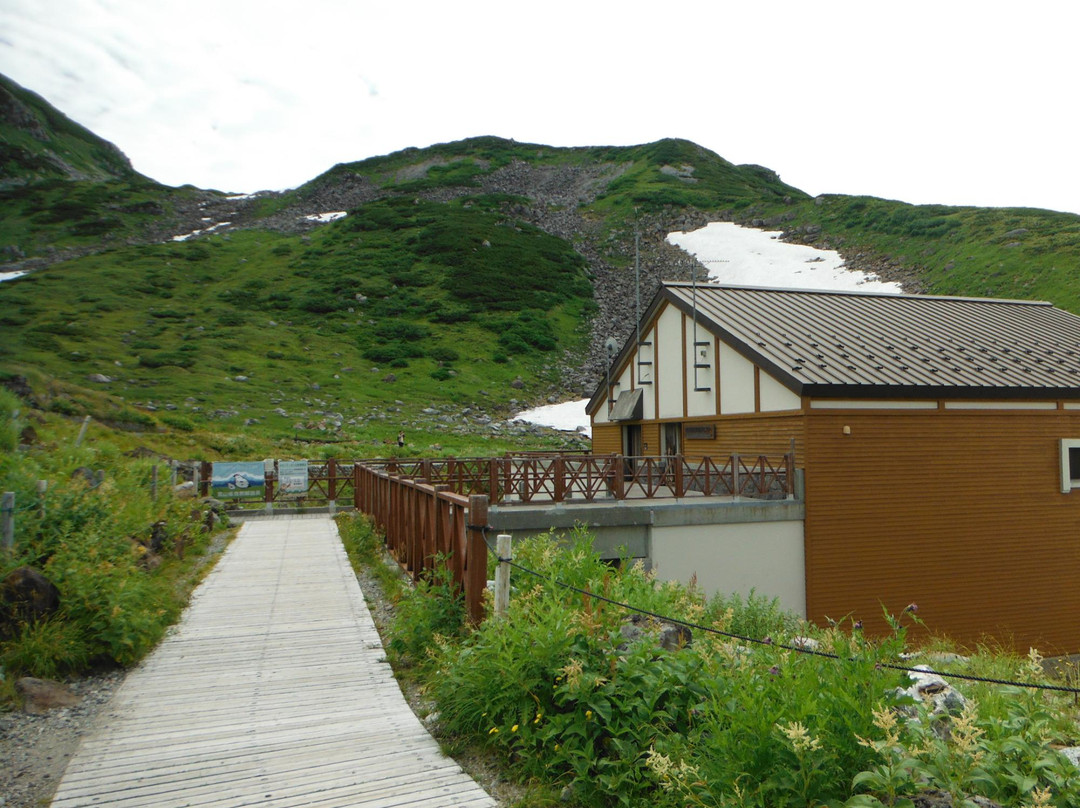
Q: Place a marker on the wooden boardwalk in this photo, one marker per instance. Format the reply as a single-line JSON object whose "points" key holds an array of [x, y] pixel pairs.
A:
{"points": [[271, 691]]}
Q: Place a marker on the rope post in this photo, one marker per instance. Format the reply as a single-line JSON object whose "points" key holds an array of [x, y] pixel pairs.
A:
{"points": [[172, 473], [503, 546], [42, 487], [476, 558], [7, 521]]}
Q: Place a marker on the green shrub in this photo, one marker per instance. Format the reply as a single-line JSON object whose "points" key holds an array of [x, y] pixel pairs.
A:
{"points": [[166, 358], [178, 422], [441, 374], [443, 354], [436, 607], [48, 649]]}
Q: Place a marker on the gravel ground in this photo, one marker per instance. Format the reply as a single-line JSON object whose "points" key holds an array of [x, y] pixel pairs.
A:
{"points": [[35, 749]]}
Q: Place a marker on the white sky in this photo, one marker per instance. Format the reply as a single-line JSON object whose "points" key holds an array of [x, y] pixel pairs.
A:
{"points": [[947, 101]]}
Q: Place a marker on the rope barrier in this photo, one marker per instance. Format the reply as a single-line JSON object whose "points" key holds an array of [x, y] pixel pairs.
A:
{"points": [[769, 642]]}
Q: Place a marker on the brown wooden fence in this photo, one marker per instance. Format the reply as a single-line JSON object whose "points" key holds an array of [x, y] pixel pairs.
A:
{"points": [[536, 478], [426, 525]]}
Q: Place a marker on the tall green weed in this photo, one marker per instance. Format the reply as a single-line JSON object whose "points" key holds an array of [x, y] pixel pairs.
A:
{"points": [[567, 695]]}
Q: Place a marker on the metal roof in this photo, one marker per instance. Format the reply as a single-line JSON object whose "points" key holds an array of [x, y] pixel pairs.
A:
{"points": [[874, 344]]}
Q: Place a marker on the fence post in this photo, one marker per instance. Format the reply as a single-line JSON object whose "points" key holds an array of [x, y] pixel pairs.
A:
{"points": [[356, 499], [7, 521], [736, 483], [503, 547], [331, 485], [196, 473], [559, 471], [82, 431], [172, 473], [42, 487], [476, 558], [204, 485], [680, 489]]}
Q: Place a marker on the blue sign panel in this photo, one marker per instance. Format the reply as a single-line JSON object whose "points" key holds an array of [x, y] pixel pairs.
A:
{"points": [[238, 480]]}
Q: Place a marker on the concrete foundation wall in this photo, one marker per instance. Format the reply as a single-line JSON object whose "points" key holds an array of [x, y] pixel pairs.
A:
{"points": [[731, 546], [766, 557]]}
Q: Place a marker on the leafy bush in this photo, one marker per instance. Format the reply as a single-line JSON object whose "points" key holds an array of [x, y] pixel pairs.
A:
{"points": [[566, 695], [529, 331], [441, 374], [443, 354], [392, 351], [436, 608], [401, 330], [166, 358]]}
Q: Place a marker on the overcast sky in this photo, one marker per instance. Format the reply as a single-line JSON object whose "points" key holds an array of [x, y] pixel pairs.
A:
{"points": [[948, 101]]}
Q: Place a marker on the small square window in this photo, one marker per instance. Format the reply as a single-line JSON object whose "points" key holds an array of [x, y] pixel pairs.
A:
{"points": [[1070, 464]]}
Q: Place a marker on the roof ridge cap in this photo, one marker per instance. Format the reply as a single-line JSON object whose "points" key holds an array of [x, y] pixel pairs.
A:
{"points": [[854, 293]]}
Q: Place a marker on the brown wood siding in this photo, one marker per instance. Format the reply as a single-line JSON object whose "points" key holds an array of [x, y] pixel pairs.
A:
{"points": [[606, 439], [650, 437], [958, 512], [769, 434]]}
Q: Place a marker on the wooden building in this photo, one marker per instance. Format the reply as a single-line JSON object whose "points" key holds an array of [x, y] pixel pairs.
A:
{"points": [[938, 439]]}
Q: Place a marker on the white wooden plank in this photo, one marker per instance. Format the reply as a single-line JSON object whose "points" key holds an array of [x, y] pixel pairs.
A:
{"points": [[272, 690]]}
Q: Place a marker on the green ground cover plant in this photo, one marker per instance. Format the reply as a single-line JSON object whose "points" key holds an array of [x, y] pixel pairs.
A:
{"points": [[568, 700], [123, 561]]}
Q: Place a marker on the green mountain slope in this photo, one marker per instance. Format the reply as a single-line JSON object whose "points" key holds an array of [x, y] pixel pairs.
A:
{"points": [[465, 276], [39, 142]]}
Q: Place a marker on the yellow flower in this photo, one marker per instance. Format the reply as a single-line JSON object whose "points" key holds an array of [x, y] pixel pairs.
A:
{"points": [[493, 731], [538, 717], [557, 747], [588, 714], [514, 728]]}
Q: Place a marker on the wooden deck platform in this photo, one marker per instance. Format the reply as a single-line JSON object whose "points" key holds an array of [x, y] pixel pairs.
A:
{"points": [[271, 691]]}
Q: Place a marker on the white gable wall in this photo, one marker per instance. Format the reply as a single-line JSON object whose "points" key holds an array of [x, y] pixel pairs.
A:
{"points": [[736, 382], [700, 402], [775, 396], [669, 362], [672, 371]]}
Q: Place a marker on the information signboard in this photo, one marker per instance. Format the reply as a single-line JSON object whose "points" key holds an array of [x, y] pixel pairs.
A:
{"points": [[292, 477], [238, 480]]}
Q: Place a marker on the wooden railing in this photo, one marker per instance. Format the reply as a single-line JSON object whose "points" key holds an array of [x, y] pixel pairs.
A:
{"points": [[587, 478], [427, 525]]}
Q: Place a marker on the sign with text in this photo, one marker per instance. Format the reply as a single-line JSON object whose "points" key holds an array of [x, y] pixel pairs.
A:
{"points": [[238, 480], [292, 477], [700, 432]]}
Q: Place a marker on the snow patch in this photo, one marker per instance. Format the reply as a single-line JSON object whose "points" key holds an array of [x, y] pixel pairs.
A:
{"points": [[569, 416], [194, 233], [10, 276], [332, 216], [749, 257]]}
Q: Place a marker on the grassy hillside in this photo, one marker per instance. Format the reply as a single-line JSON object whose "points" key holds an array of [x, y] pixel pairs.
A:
{"points": [[990, 252], [417, 302]]}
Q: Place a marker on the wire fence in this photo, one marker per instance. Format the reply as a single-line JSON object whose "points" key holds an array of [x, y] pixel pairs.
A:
{"points": [[799, 649]]}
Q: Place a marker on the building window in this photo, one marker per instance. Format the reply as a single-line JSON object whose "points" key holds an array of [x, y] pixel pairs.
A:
{"points": [[1070, 464]]}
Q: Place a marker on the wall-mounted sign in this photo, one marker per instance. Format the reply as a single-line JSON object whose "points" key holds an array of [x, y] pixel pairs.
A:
{"points": [[292, 477], [700, 431], [238, 480]]}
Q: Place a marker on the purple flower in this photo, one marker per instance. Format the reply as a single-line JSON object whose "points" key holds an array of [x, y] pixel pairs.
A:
{"points": [[912, 607], [774, 671], [858, 625], [767, 641]]}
